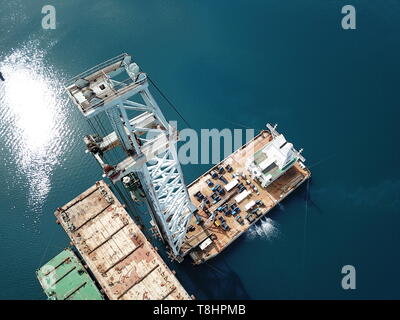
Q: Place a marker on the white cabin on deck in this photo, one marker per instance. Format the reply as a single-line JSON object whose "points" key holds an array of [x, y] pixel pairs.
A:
{"points": [[273, 160]]}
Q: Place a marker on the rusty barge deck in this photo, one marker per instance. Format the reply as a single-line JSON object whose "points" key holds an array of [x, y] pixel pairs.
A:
{"points": [[123, 261], [206, 240]]}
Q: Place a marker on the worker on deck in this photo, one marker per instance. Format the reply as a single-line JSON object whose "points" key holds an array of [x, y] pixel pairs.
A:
{"points": [[1, 77]]}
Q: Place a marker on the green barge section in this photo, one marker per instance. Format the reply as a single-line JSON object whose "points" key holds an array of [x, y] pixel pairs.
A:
{"points": [[65, 278]]}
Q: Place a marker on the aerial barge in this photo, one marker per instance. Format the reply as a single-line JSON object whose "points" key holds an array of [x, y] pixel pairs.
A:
{"points": [[240, 190], [121, 260], [64, 277]]}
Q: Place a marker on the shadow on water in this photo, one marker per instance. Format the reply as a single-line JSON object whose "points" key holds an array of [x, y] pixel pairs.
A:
{"points": [[215, 279], [304, 193]]}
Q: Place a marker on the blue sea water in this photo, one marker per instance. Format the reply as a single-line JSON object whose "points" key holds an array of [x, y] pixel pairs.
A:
{"points": [[333, 92]]}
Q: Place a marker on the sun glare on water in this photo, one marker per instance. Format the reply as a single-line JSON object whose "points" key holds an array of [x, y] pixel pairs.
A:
{"points": [[31, 118]]}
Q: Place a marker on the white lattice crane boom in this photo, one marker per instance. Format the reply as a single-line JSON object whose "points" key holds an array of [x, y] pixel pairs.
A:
{"points": [[119, 89]]}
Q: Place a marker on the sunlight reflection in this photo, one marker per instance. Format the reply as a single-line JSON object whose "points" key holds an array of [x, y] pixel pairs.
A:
{"points": [[32, 123]]}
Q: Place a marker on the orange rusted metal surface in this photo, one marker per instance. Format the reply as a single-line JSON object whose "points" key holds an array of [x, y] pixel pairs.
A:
{"points": [[123, 261]]}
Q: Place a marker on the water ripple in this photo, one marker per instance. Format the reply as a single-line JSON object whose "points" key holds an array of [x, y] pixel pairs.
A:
{"points": [[266, 229]]}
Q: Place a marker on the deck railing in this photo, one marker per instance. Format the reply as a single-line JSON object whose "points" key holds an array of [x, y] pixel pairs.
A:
{"points": [[96, 68]]}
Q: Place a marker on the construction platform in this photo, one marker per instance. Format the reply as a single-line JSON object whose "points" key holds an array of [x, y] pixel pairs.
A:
{"points": [[207, 239], [65, 278], [122, 260]]}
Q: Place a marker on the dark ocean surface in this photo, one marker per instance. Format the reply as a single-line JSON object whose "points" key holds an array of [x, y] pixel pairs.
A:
{"points": [[333, 92]]}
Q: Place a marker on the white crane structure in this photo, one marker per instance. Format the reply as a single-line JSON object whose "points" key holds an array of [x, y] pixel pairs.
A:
{"points": [[150, 168]]}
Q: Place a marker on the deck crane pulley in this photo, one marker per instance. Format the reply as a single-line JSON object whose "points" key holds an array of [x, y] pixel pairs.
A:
{"points": [[150, 168]]}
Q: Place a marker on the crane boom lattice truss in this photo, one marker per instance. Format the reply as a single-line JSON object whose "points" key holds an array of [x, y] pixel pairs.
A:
{"points": [[148, 140]]}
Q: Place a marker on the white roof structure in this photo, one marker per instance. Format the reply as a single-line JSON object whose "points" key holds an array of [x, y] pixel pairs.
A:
{"points": [[273, 160], [241, 196], [205, 243], [231, 185], [278, 151], [250, 205]]}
